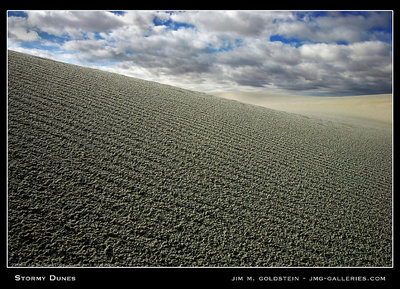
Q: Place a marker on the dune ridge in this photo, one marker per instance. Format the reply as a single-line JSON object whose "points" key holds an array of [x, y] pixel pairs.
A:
{"points": [[366, 110], [109, 170]]}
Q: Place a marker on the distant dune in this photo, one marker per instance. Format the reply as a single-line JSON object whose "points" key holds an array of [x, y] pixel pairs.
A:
{"points": [[109, 170], [367, 110]]}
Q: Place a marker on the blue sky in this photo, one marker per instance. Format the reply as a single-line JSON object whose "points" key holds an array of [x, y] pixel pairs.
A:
{"points": [[297, 52]]}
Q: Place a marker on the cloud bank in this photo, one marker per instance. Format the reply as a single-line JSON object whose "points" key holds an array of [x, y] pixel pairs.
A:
{"points": [[310, 53]]}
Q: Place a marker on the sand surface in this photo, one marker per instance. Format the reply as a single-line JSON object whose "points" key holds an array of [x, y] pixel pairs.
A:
{"points": [[367, 110], [106, 170]]}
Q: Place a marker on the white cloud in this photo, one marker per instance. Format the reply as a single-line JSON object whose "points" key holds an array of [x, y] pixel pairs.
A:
{"points": [[323, 52], [231, 22], [140, 21], [73, 23], [18, 30]]}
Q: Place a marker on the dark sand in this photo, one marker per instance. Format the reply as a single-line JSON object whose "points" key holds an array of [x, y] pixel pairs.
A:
{"points": [[107, 170]]}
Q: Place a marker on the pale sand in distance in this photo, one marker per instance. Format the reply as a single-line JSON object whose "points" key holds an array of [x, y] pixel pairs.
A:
{"points": [[367, 110]]}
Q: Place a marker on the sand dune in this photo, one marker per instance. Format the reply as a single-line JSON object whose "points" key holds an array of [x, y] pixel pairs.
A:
{"points": [[109, 170], [372, 110]]}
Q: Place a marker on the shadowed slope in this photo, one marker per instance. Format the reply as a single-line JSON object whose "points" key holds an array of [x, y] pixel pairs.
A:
{"points": [[108, 170]]}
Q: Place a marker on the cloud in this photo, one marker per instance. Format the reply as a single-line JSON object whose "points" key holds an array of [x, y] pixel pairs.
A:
{"points": [[73, 23], [329, 53], [336, 27], [18, 30]]}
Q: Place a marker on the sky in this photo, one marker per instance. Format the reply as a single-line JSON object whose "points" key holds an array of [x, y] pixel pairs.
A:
{"points": [[327, 53]]}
